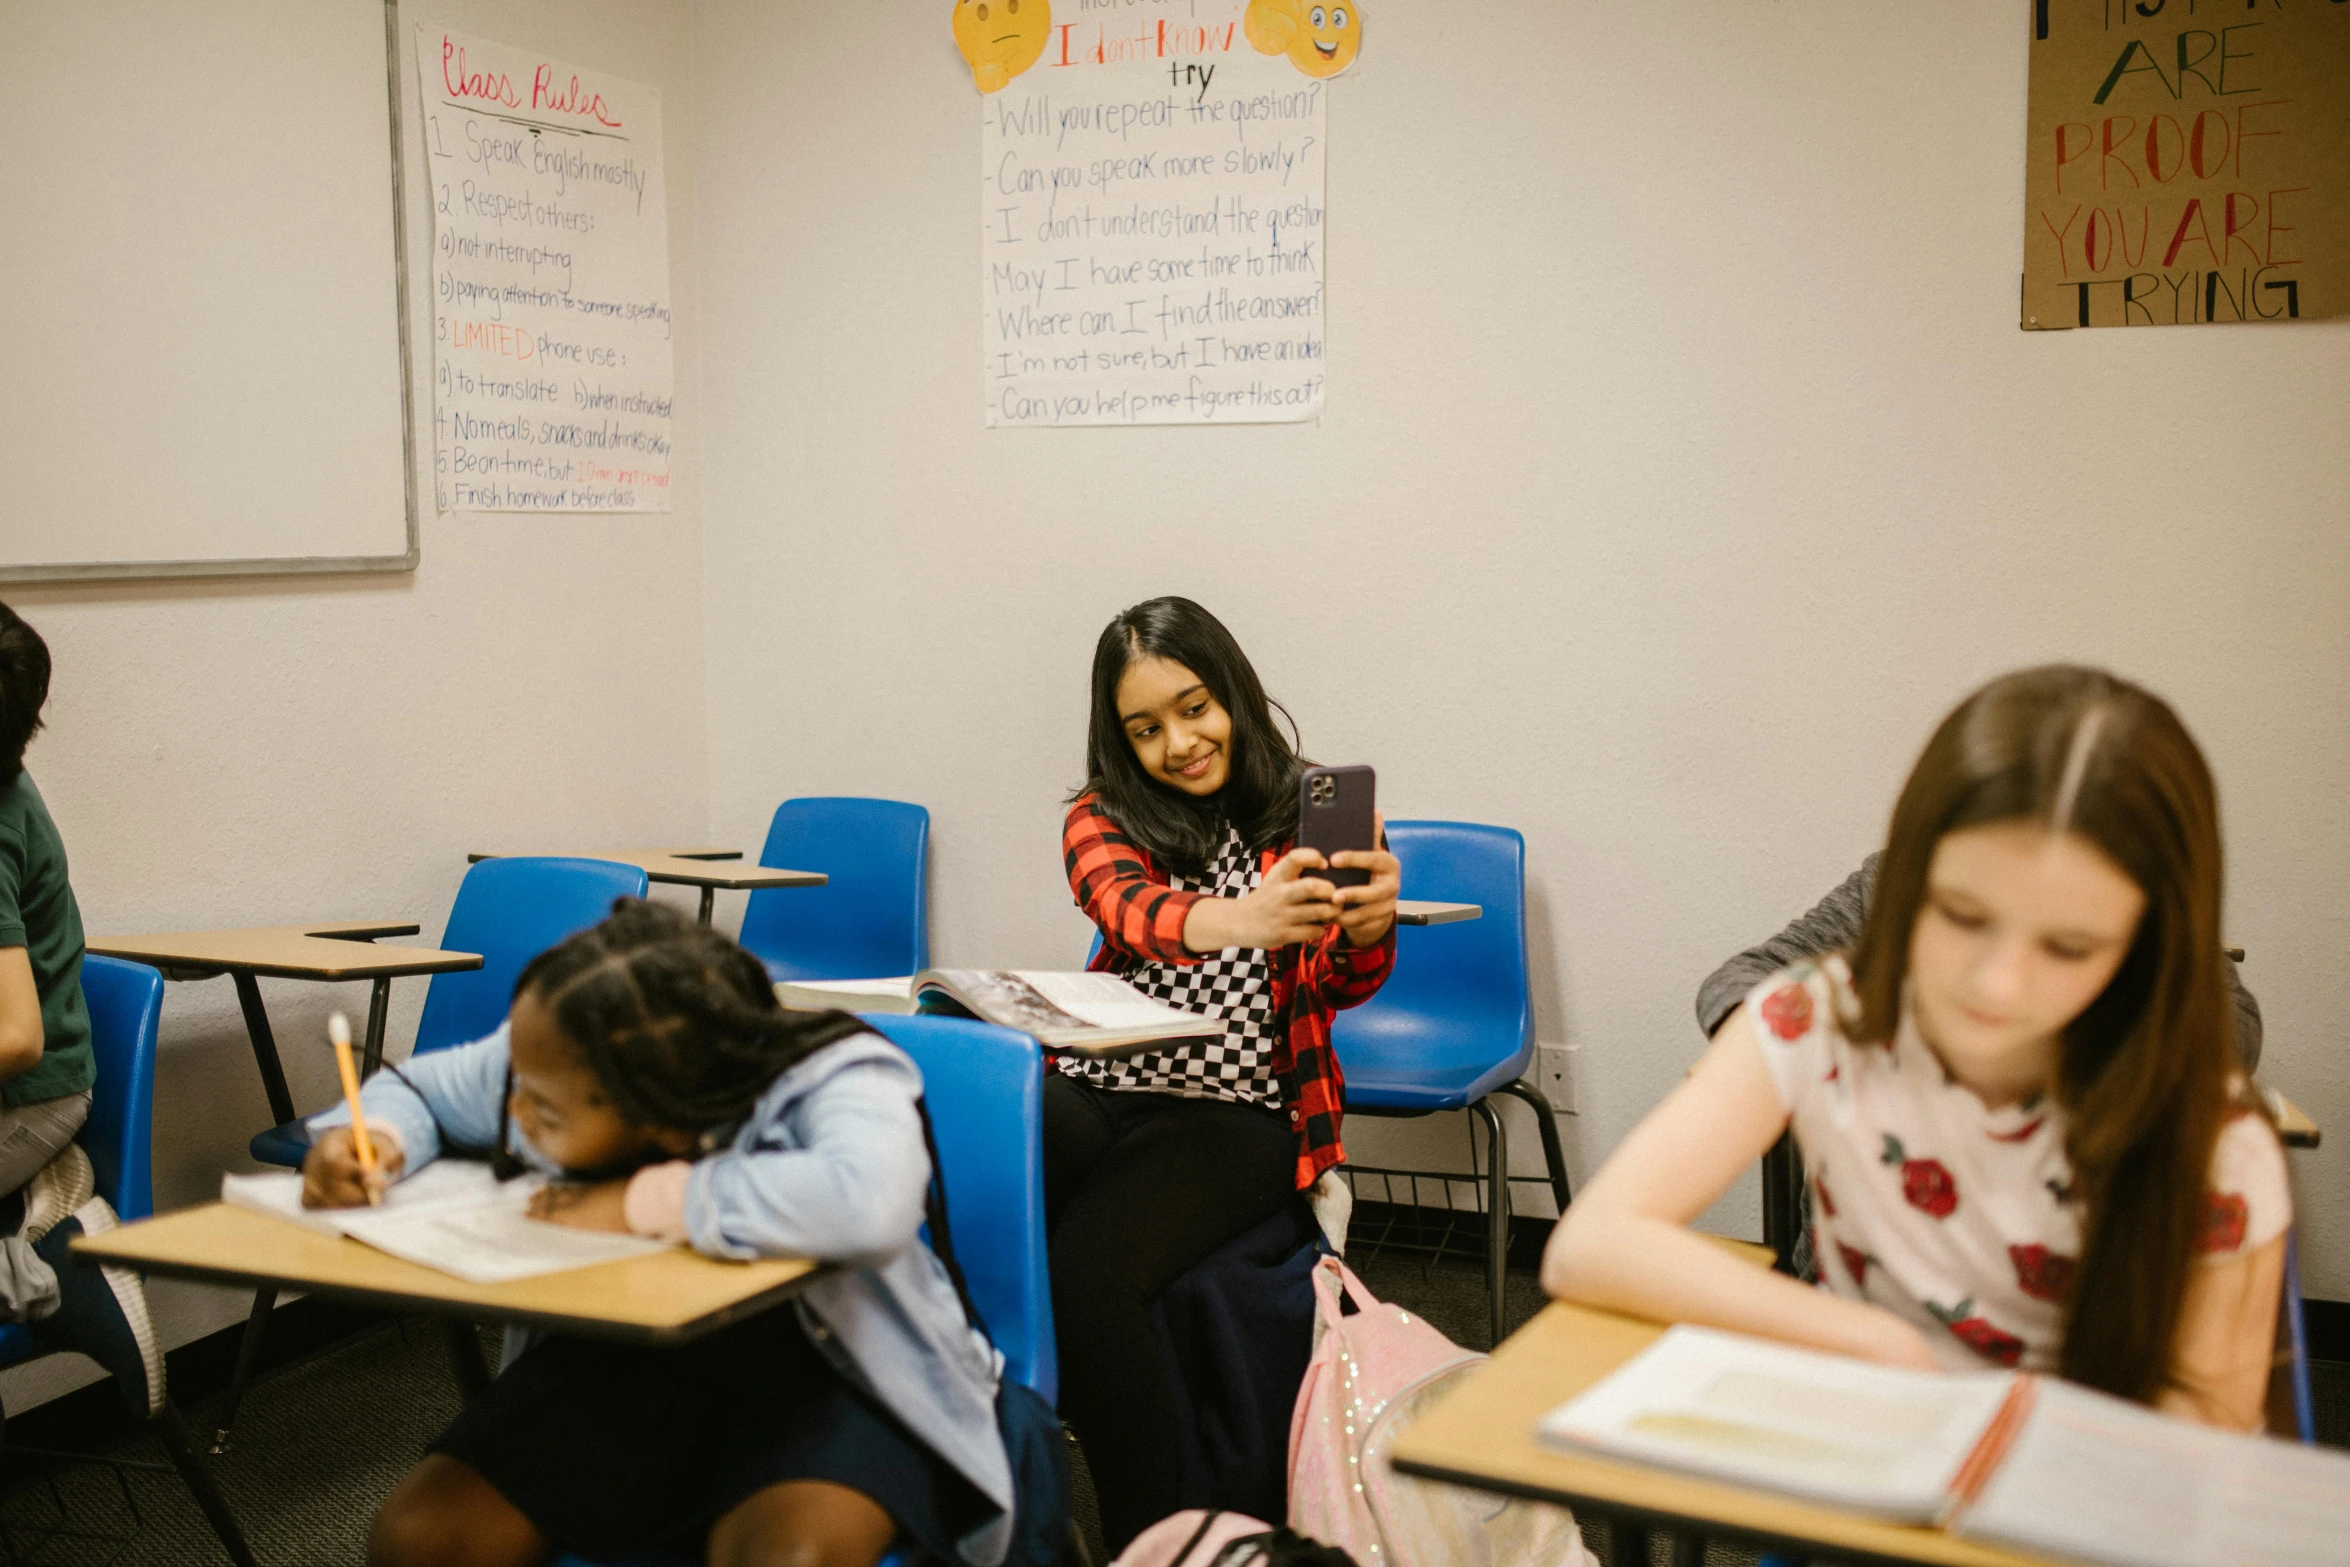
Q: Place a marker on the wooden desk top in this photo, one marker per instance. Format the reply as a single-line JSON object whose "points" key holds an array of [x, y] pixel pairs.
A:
{"points": [[320, 951], [668, 1297], [1415, 911], [2293, 1126], [697, 867], [1483, 1435]]}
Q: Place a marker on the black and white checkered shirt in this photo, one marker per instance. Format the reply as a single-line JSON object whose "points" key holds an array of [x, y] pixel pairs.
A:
{"points": [[1235, 985]]}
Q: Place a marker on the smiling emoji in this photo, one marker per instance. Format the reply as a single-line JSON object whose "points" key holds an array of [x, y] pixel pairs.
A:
{"points": [[1320, 39], [1001, 38]]}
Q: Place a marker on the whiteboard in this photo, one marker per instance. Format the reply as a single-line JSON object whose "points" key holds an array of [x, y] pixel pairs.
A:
{"points": [[203, 367]]}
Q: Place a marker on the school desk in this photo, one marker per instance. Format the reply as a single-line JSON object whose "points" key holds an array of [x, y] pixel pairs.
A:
{"points": [[326, 952], [706, 868], [665, 1298], [1412, 911], [1482, 1435]]}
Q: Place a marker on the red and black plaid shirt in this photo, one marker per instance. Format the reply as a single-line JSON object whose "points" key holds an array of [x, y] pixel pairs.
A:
{"points": [[1141, 920]]}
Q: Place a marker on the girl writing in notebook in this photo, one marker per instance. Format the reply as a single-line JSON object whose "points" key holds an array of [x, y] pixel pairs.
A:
{"points": [[2017, 1096], [1179, 847], [646, 1061]]}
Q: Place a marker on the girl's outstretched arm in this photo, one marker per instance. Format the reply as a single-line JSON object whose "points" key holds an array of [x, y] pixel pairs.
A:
{"points": [[1625, 1243], [2227, 1340]]}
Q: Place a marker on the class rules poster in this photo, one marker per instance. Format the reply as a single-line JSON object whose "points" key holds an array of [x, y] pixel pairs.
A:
{"points": [[2188, 162]]}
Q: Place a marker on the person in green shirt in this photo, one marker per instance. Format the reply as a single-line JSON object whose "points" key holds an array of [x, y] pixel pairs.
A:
{"points": [[45, 1064], [47, 1187]]}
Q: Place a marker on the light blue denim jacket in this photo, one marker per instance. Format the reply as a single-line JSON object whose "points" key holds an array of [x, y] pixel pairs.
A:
{"points": [[830, 1164]]}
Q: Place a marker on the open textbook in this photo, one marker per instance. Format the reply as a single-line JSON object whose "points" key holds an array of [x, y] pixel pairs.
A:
{"points": [[1083, 1014], [2009, 1458], [452, 1215]]}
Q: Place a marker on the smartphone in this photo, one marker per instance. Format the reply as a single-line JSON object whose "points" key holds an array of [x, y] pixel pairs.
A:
{"points": [[1334, 812]]}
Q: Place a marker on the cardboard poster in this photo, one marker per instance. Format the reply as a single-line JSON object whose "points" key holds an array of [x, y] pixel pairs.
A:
{"points": [[552, 371], [2188, 162], [1150, 206]]}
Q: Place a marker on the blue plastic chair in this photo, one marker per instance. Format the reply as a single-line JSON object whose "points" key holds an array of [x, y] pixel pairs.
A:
{"points": [[870, 920], [1453, 1027], [2293, 1336], [509, 911], [985, 1089], [126, 1005]]}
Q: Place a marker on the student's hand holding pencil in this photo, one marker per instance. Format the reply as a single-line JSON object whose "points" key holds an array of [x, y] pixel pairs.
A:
{"points": [[332, 1176]]}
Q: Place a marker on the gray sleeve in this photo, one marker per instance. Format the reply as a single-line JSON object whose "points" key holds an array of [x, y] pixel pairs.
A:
{"points": [[1831, 923], [2247, 1020]]}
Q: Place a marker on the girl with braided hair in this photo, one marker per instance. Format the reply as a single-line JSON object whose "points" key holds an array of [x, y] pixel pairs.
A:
{"points": [[647, 1071]]}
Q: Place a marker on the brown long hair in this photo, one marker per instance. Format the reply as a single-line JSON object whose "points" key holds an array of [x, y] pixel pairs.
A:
{"points": [[2143, 1072]]}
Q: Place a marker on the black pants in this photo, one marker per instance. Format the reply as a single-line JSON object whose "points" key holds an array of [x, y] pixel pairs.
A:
{"points": [[1138, 1187]]}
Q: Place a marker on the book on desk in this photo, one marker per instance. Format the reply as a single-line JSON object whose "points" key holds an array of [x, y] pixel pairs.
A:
{"points": [[2009, 1458], [1080, 1013]]}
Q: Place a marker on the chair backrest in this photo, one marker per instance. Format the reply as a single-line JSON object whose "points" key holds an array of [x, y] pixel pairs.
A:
{"points": [[1457, 1007], [871, 919], [126, 1005], [985, 1089], [510, 911]]}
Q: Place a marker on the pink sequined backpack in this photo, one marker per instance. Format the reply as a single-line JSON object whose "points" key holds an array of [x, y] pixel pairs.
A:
{"points": [[1371, 1373]]}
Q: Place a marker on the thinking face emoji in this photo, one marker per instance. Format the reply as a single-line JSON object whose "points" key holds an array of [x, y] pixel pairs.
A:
{"points": [[1320, 40], [1001, 38]]}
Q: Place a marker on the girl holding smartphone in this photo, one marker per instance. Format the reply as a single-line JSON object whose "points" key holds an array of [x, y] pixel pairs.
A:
{"points": [[1180, 848]]}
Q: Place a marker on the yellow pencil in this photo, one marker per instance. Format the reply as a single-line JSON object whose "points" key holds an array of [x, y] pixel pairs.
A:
{"points": [[338, 1033]]}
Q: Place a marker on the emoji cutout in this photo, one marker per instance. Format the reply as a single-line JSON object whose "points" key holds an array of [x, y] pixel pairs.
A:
{"points": [[1001, 38], [1320, 39]]}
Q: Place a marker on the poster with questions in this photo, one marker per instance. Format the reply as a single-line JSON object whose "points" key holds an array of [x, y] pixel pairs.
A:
{"points": [[1151, 206]]}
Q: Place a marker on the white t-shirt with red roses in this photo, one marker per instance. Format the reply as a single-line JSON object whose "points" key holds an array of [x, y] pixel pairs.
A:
{"points": [[1958, 1217]]}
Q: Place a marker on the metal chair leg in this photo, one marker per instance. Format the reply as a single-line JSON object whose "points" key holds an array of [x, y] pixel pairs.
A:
{"points": [[464, 1341], [172, 1431], [1546, 1122], [1497, 1210], [248, 1352], [1782, 1200], [1688, 1549], [1627, 1542]]}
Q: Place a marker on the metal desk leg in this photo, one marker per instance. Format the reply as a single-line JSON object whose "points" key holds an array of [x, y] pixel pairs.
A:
{"points": [[709, 904], [379, 1001], [273, 1075], [1627, 1542]]}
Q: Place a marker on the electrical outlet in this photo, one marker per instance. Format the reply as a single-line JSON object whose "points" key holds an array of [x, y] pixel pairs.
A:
{"points": [[1555, 1070]]}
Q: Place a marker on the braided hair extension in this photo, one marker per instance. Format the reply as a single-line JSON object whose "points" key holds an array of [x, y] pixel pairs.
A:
{"points": [[679, 1025]]}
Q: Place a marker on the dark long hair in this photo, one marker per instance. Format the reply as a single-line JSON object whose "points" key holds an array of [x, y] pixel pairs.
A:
{"points": [[24, 687], [1259, 797], [2143, 1072], [679, 1025]]}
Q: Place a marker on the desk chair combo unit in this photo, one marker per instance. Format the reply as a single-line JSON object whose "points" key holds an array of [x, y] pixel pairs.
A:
{"points": [[1453, 1027], [985, 1090], [508, 911], [126, 1005]]}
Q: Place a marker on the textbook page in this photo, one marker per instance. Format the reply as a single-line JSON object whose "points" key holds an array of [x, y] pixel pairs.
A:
{"points": [[444, 1183], [453, 1216], [1103, 1000], [2099, 1480], [1867, 1438]]}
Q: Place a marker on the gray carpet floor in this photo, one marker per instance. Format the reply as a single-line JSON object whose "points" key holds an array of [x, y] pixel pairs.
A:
{"points": [[321, 1442]]}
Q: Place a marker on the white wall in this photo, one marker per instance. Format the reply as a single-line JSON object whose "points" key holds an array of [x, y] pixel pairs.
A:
{"points": [[279, 750], [1683, 463]]}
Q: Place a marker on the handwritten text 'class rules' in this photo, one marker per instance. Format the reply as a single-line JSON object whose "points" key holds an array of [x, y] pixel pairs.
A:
{"points": [[2188, 163], [1151, 224], [552, 371]]}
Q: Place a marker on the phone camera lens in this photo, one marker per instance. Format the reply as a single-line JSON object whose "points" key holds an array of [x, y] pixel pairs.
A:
{"points": [[1325, 790]]}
